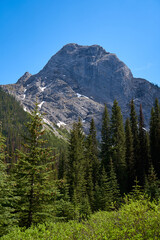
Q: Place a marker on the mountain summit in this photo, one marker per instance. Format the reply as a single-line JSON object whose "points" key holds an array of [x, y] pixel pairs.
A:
{"points": [[77, 81]]}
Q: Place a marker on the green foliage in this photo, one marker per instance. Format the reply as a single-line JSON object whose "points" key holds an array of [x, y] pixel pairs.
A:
{"points": [[118, 145], [7, 218], [152, 184], [129, 155], [92, 152], [46, 187], [135, 220], [103, 193], [105, 141], [134, 129], [13, 119], [92, 163], [76, 170], [34, 176], [76, 164], [143, 163], [155, 136]]}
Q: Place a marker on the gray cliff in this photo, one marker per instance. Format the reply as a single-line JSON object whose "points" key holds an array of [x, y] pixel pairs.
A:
{"points": [[77, 81]]}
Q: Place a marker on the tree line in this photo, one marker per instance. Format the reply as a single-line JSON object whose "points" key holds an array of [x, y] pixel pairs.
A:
{"points": [[89, 176]]}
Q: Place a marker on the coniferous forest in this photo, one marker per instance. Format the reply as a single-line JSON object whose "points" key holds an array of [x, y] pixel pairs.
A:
{"points": [[83, 184]]}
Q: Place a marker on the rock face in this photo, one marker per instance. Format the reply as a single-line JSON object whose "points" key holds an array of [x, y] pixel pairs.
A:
{"points": [[77, 81]]}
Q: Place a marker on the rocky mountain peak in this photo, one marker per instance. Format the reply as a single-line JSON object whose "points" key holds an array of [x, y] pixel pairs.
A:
{"points": [[89, 50], [77, 81], [24, 78]]}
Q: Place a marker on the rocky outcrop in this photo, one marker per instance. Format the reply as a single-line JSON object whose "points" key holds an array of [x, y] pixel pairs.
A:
{"points": [[77, 81]]}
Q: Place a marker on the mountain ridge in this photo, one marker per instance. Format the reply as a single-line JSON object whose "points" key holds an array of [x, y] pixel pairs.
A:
{"points": [[77, 81]]}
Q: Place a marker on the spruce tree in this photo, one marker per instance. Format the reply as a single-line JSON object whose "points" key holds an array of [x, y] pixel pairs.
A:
{"points": [[62, 164], [129, 155], [134, 129], [7, 217], [142, 164], [118, 145], [76, 166], [103, 193], [152, 184], [155, 136], [92, 152], [35, 184], [105, 140], [114, 186]]}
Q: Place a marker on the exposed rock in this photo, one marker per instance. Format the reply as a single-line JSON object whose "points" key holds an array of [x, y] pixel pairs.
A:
{"points": [[77, 81]]}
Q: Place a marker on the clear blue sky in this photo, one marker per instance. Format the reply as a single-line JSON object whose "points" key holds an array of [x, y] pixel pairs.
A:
{"points": [[34, 30]]}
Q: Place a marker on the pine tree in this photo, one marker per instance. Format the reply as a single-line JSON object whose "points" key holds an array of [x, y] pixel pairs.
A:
{"points": [[134, 129], [7, 218], [136, 193], [114, 186], [118, 145], [155, 136], [92, 152], [35, 184], [103, 193], [129, 155], [105, 140], [76, 167], [143, 151], [62, 164], [152, 184]]}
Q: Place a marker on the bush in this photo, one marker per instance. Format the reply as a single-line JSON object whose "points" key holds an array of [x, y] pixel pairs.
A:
{"points": [[135, 220]]}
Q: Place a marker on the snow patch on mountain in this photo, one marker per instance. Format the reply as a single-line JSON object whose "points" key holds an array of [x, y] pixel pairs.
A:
{"points": [[80, 95], [59, 124], [40, 105], [42, 88]]}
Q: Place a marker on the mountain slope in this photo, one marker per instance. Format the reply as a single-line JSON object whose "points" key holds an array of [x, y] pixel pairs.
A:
{"points": [[13, 120], [77, 81]]}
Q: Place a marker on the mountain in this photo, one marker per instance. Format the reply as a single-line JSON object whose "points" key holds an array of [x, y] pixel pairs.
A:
{"points": [[77, 81], [13, 120], [12, 123]]}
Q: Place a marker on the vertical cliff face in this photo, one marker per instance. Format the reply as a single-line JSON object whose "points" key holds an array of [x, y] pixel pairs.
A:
{"points": [[77, 81]]}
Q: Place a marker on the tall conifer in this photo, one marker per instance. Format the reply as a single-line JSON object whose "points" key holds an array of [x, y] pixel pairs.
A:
{"points": [[7, 217], [134, 129], [34, 176], [92, 152], [118, 145], [92, 162], [105, 140], [129, 155], [143, 151], [76, 164], [155, 136]]}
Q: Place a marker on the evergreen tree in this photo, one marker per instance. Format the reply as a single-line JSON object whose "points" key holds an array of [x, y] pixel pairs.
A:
{"points": [[148, 154], [7, 218], [76, 165], [118, 145], [155, 136], [129, 155], [152, 184], [114, 186], [143, 162], [92, 152], [62, 164], [107, 192], [35, 184], [105, 140], [103, 193], [134, 129], [136, 193]]}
